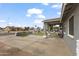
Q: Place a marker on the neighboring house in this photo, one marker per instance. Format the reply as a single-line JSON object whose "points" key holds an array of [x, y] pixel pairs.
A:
{"points": [[8, 28], [19, 29], [70, 20], [1, 29], [12, 28], [50, 24]]}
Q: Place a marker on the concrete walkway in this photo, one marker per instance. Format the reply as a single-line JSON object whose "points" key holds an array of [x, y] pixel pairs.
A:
{"points": [[35, 46]]}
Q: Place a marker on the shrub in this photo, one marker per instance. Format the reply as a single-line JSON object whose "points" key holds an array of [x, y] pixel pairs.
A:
{"points": [[23, 33], [39, 33]]}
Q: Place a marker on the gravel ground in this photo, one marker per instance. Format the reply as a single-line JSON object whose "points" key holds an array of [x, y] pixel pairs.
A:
{"points": [[33, 45]]}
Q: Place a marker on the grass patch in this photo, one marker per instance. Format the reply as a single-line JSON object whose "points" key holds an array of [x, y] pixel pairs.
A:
{"points": [[39, 33]]}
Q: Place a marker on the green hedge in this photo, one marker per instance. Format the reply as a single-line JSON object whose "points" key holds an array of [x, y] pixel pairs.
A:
{"points": [[23, 33]]}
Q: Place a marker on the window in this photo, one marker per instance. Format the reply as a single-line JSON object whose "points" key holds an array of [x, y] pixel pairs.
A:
{"points": [[71, 25]]}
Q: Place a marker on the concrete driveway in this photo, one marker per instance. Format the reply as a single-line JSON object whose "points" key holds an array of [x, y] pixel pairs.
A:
{"points": [[33, 45]]}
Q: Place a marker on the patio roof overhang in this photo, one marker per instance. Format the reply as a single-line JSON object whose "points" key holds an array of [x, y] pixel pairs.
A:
{"points": [[67, 10], [53, 21]]}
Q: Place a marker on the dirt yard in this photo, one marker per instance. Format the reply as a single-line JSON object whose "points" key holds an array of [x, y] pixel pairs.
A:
{"points": [[33, 45]]}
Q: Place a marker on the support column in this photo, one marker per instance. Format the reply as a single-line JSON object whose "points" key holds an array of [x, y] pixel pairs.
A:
{"points": [[45, 26], [51, 27]]}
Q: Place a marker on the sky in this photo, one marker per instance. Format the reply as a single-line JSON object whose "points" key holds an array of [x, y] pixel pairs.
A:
{"points": [[28, 14]]}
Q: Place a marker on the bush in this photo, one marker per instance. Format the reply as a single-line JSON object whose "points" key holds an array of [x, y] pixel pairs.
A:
{"points": [[23, 33], [39, 33]]}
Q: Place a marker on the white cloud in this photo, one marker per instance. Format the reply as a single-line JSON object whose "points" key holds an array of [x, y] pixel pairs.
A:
{"points": [[18, 25], [45, 4], [38, 21], [3, 25], [59, 13], [10, 23], [57, 6], [2, 21], [54, 6], [28, 15], [34, 11], [41, 16]]}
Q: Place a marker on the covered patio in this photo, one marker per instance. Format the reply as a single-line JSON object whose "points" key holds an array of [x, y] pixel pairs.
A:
{"points": [[52, 24]]}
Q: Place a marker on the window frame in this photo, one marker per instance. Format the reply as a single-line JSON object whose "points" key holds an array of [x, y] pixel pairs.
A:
{"points": [[70, 35]]}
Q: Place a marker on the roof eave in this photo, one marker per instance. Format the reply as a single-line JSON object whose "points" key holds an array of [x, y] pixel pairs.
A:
{"points": [[55, 19]]}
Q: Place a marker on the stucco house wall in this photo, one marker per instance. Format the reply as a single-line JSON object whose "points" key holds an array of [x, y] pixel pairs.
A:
{"points": [[73, 42], [76, 28]]}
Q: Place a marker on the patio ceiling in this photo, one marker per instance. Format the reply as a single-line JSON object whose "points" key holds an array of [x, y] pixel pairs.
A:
{"points": [[54, 23]]}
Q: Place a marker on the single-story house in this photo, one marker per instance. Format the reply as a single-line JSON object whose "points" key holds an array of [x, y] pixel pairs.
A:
{"points": [[70, 20], [12, 28], [49, 24], [1, 29], [7, 28]]}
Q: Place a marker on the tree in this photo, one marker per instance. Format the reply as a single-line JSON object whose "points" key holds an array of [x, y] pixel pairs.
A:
{"points": [[26, 28], [38, 29]]}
